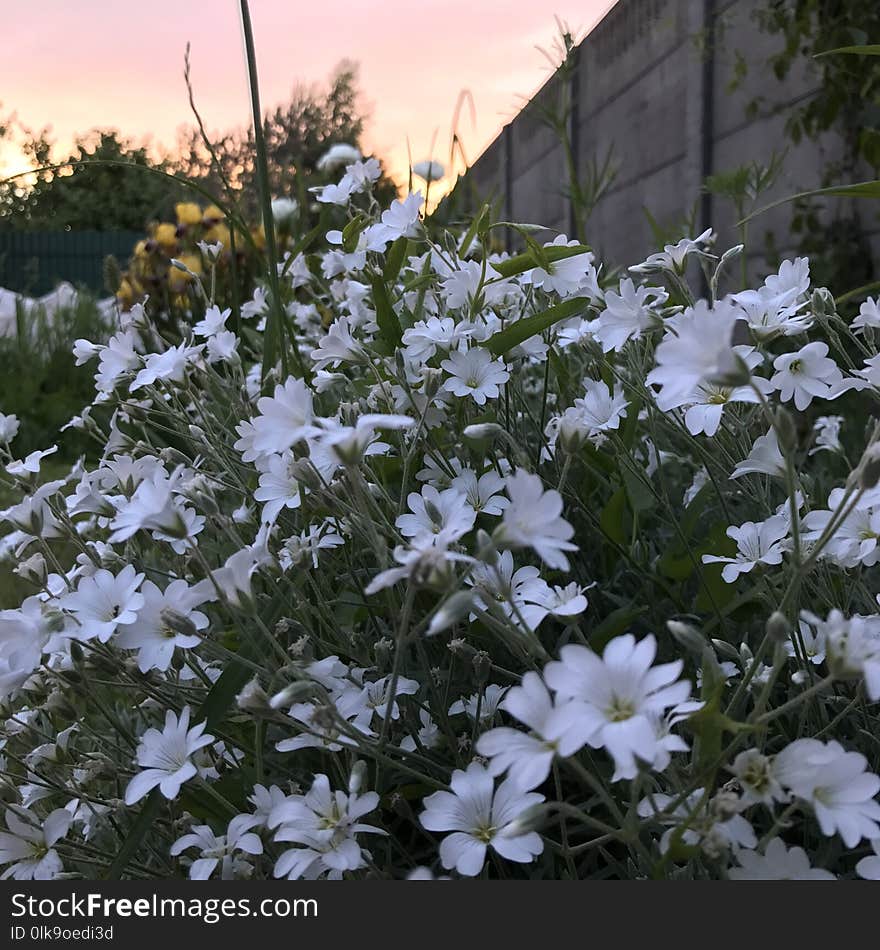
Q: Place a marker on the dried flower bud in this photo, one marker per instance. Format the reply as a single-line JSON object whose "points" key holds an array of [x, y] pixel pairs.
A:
{"points": [[482, 664]]}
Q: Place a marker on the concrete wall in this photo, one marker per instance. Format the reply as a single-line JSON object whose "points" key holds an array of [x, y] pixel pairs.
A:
{"points": [[645, 86]]}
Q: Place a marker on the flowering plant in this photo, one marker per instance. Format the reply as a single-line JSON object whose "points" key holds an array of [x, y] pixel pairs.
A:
{"points": [[438, 560]]}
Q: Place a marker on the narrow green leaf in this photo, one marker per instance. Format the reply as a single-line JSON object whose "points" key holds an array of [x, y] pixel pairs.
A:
{"points": [[855, 50], [142, 824], [389, 326], [394, 259], [528, 327], [526, 261], [861, 189]]}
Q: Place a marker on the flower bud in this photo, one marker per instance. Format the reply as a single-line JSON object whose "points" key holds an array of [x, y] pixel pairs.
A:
{"points": [[822, 302], [687, 636], [253, 698], [482, 430], [456, 607], [532, 819], [178, 622], [777, 627], [356, 779], [292, 693], [869, 467]]}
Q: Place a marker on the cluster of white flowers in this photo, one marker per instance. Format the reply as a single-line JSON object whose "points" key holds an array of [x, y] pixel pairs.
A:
{"points": [[550, 557]]}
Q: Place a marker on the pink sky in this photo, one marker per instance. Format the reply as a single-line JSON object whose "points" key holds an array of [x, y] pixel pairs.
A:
{"points": [[77, 65]]}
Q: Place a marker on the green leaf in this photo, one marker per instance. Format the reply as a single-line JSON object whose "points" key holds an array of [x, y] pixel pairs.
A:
{"points": [[222, 694], [861, 189], [641, 498], [855, 50], [142, 824], [352, 231], [520, 263], [389, 326], [528, 327], [611, 518], [394, 260]]}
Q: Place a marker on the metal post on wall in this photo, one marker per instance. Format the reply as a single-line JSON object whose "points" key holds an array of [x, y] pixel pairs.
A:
{"points": [[507, 178], [574, 136]]}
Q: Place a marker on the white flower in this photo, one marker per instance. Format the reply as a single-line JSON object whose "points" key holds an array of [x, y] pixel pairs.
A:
{"points": [[674, 256], [556, 729], [755, 774], [24, 633], [715, 833], [869, 868], [627, 314], [166, 757], [827, 429], [8, 427], [474, 373], [278, 487], [103, 602], [777, 863], [337, 155], [757, 543], [118, 357], [806, 374], [765, 458], [27, 846], [445, 516], [284, 210], [212, 323], [221, 850], [31, 463], [429, 170], [480, 817], [337, 345], [851, 646], [400, 220], [482, 493], [597, 412], [349, 444], [837, 786], [152, 507], [618, 694], [533, 519], [170, 365], [162, 622], [484, 704], [695, 347], [868, 316], [565, 276], [324, 824], [285, 418]]}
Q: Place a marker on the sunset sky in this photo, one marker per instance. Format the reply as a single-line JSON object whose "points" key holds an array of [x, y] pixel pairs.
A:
{"points": [[78, 65]]}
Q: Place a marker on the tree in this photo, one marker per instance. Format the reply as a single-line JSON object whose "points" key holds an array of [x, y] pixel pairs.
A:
{"points": [[297, 134], [102, 195], [847, 102]]}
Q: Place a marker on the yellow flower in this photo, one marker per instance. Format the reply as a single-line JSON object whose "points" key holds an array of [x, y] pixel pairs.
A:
{"points": [[218, 232], [188, 213], [178, 279], [140, 249], [212, 215], [165, 235]]}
